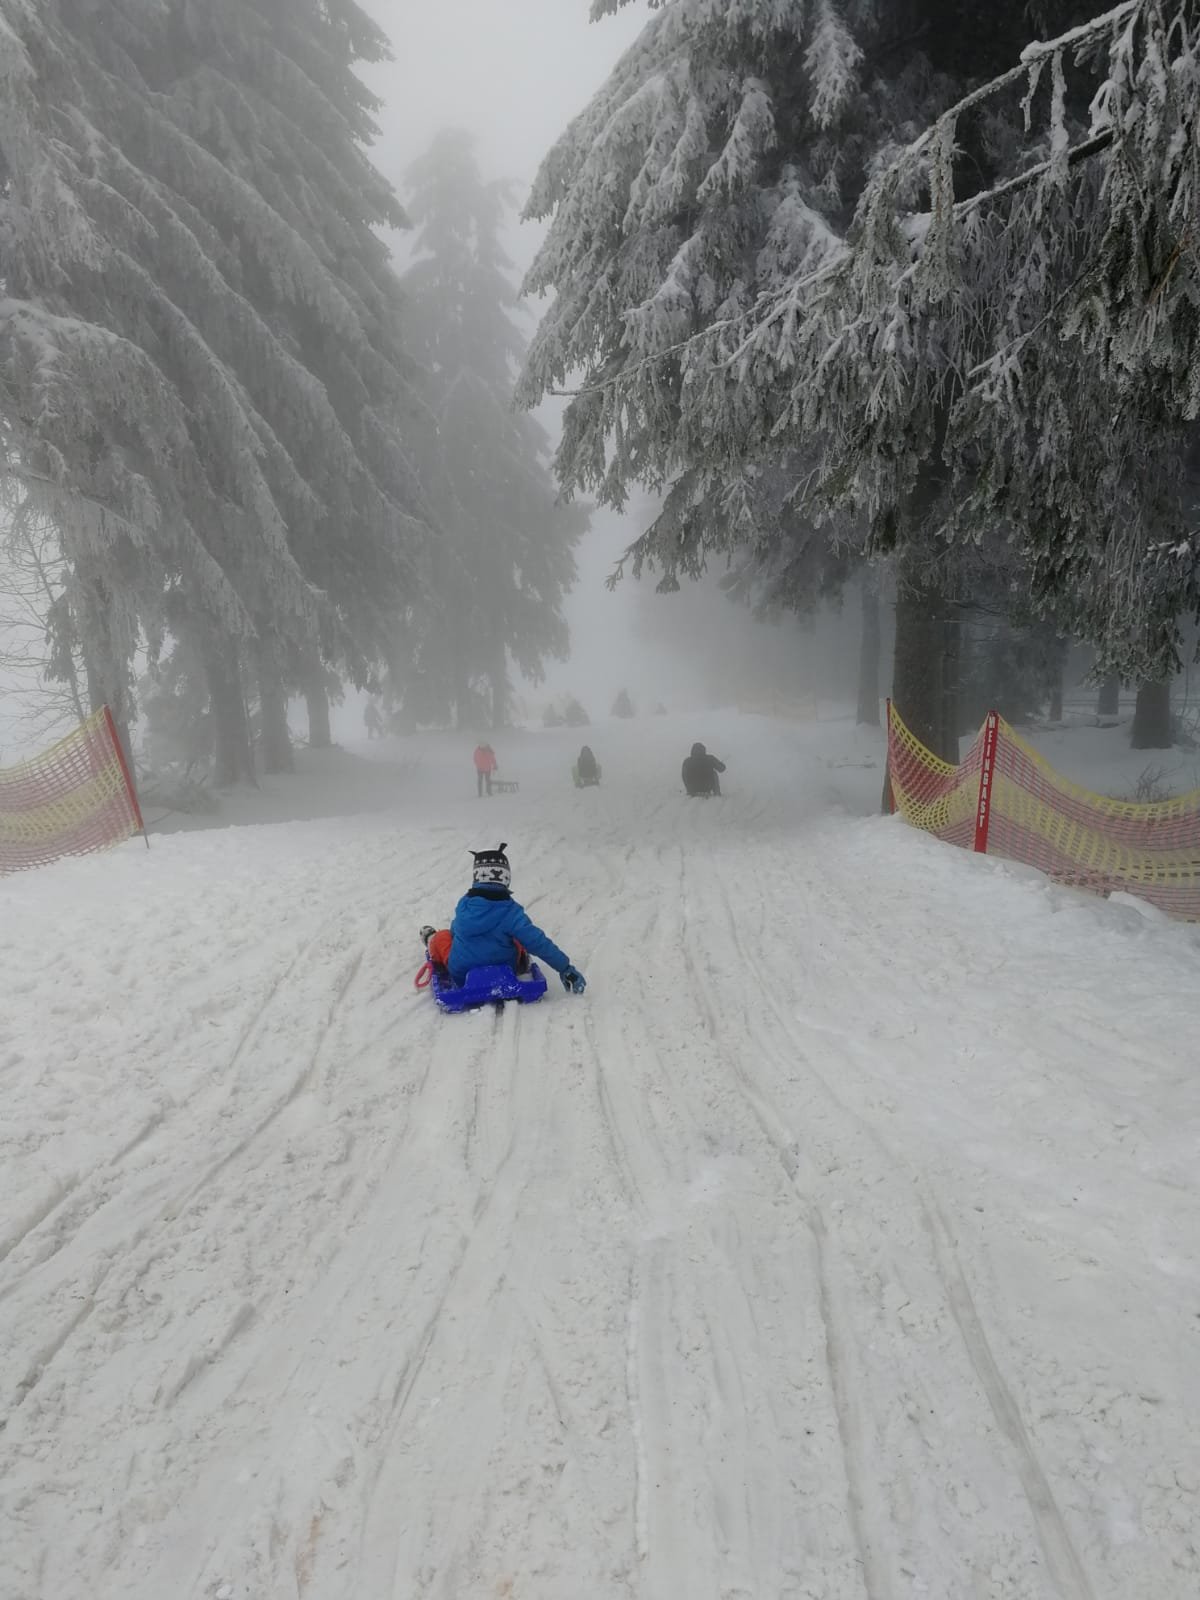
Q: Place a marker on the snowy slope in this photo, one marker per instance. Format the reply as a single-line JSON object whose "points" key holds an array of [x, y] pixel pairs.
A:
{"points": [[841, 1242]]}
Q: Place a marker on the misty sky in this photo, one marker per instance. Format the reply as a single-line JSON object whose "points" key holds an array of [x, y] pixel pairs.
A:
{"points": [[513, 71]]}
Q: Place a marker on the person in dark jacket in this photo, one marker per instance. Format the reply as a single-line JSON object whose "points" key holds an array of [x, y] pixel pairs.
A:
{"points": [[490, 928], [700, 772], [587, 769]]}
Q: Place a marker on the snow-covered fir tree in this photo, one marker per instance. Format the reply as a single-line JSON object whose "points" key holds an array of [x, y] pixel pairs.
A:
{"points": [[200, 334], [1033, 331], [722, 162], [503, 560]]}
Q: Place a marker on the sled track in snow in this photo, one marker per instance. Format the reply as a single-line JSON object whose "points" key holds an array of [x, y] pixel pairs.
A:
{"points": [[862, 1507], [124, 1258], [119, 1265], [59, 1194], [477, 1295], [1062, 1559], [88, 1195], [72, 1205], [341, 987]]}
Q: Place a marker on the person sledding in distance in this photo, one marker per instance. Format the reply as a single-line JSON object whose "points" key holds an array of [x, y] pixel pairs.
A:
{"points": [[700, 772], [490, 928], [586, 770]]}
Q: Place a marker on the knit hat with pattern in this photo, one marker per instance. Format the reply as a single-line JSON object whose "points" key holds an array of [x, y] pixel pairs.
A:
{"points": [[491, 867]]}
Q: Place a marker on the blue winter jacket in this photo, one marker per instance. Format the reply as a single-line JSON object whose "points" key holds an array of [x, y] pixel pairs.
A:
{"points": [[486, 922]]}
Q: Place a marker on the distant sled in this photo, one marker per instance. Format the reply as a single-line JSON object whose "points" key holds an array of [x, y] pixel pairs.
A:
{"points": [[487, 986]]}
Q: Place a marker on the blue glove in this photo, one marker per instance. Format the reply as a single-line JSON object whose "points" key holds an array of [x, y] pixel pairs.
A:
{"points": [[573, 982]]}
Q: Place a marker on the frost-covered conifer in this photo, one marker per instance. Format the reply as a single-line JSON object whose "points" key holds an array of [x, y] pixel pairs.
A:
{"points": [[1037, 335], [722, 162], [723, 156], [200, 327], [979, 327], [504, 556]]}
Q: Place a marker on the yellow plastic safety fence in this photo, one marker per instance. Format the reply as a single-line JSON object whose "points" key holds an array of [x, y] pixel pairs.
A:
{"points": [[929, 792], [74, 798], [1007, 799]]}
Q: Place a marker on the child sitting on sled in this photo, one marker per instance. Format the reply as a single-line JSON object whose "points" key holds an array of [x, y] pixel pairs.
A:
{"points": [[490, 928]]}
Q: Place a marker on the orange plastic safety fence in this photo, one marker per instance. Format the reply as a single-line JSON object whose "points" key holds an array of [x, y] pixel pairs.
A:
{"points": [[1039, 817], [75, 798]]}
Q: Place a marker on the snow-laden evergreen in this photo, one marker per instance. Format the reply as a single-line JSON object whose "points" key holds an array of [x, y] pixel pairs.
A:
{"points": [[199, 332], [503, 560], [958, 300], [724, 156], [706, 170], [1039, 335]]}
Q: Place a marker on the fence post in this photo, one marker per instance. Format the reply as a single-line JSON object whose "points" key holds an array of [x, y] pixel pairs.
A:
{"points": [[983, 809], [889, 794]]}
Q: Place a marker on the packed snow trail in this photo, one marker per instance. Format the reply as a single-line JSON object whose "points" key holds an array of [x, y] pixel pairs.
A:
{"points": [[840, 1242]]}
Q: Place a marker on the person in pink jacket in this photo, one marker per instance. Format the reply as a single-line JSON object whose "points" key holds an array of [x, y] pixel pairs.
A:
{"points": [[485, 766]]}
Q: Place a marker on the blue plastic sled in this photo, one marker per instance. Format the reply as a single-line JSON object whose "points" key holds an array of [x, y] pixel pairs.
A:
{"points": [[484, 986]]}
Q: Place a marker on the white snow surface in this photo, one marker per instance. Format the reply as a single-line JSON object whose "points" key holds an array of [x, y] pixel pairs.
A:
{"points": [[841, 1243]]}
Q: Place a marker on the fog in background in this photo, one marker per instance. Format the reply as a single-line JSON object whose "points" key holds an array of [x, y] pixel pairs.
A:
{"points": [[515, 75]]}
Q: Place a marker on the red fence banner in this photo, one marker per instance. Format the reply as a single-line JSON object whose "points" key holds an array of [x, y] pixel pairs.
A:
{"points": [[1006, 798], [75, 798]]}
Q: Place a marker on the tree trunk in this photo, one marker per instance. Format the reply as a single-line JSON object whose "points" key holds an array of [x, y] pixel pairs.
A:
{"points": [[463, 709], [868, 653], [921, 690], [97, 695], [1058, 664], [500, 691], [70, 681], [951, 634], [1109, 702], [234, 755], [61, 636], [275, 741], [316, 697], [1152, 718], [107, 678]]}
